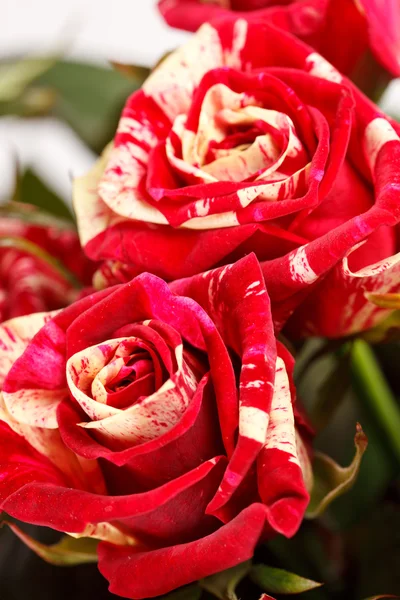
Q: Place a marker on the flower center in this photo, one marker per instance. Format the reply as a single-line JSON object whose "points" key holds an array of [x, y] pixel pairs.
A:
{"points": [[134, 388], [237, 139]]}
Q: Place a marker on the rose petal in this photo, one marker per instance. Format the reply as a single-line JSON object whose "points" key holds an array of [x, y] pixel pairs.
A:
{"points": [[280, 478], [37, 503], [15, 335], [236, 299], [36, 382], [130, 572], [350, 309]]}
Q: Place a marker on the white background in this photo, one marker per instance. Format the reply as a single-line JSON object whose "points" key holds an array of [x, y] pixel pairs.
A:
{"points": [[129, 31]]}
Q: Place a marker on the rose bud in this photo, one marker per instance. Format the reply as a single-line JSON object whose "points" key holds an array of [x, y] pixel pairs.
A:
{"points": [[343, 31], [245, 139], [42, 266], [164, 425]]}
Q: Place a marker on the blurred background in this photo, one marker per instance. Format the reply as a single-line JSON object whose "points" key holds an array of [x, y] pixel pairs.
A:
{"points": [[57, 114], [60, 100]]}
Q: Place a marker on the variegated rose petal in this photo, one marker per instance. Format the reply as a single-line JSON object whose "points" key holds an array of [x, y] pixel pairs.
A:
{"points": [[350, 310], [236, 298], [15, 336], [280, 476]]}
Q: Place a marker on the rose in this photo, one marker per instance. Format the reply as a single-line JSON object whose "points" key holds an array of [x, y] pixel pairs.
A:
{"points": [[247, 140], [159, 423], [341, 30], [42, 266]]}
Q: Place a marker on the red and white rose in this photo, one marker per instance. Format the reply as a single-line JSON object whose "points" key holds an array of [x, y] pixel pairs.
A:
{"points": [[161, 424], [245, 139], [42, 266], [341, 30]]}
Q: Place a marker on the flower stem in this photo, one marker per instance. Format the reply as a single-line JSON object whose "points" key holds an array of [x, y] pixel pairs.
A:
{"points": [[374, 391]]}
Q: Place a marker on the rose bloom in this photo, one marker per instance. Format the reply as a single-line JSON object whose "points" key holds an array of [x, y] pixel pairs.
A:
{"points": [[162, 424], [247, 140], [42, 266], [341, 30]]}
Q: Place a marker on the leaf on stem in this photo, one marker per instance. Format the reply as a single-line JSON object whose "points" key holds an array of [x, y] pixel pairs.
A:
{"points": [[278, 581]]}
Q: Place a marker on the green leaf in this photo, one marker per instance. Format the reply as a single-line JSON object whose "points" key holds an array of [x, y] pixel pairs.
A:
{"points": [[33, 191], [16, 76], [374, 391], [279, 581], [223, 584], [33, 102], [90, 98], [189, 592], [331, 480], [67, 552]]}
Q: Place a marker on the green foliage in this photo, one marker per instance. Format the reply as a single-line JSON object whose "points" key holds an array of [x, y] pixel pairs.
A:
{"points": [[17, 95], [31, 190], [90, 98], [278, 581]]}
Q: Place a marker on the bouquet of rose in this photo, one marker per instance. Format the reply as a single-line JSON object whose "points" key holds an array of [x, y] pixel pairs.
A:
{"points": [[249, 202]]}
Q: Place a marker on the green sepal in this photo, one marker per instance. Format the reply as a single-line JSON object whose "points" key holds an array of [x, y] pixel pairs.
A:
{"points": [[67, 552], [332, 480], [223, 584], [278, 581]]}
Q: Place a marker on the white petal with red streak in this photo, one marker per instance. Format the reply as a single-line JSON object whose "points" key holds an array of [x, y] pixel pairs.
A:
{"points": [[15, 335], [171, 85]]}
